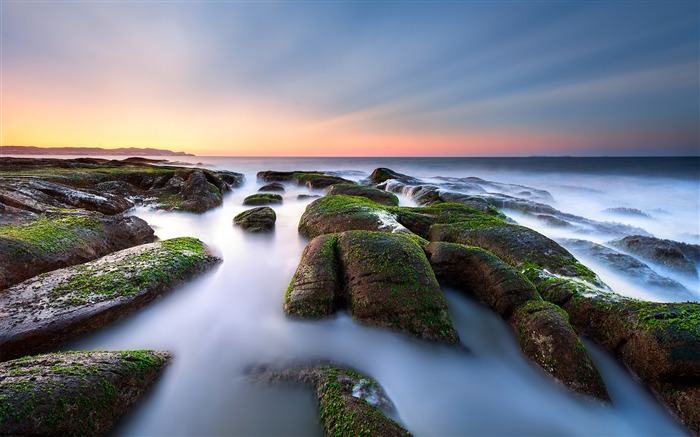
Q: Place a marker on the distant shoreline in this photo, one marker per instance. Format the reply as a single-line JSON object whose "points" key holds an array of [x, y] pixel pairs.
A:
{"points": [[91, 151]]}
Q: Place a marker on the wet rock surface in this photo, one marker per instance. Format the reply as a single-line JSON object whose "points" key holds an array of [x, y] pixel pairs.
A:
{"points": [[310, 179], [110, 187], [669, 254], [261, 219], [39, 243], [275, 186], [349, 403], [74, 393], [383, 279], [46, 310], [380, 196], [263, 199]]}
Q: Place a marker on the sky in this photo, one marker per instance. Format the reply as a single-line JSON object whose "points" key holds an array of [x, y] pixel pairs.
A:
{"points": [[356, 78]]}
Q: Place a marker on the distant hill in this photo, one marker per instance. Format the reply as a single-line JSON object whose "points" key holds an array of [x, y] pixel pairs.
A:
{"points": [[88, 151]]}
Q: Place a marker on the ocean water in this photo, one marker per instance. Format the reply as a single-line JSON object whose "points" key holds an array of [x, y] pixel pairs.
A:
{"points": [[230, 319]]}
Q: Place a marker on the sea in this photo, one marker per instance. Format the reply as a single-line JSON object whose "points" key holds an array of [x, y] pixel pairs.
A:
{"points": [[224, 323]]}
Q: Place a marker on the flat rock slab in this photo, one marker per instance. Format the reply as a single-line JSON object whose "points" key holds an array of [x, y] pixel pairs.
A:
{"points": [[46, 310], [667, 253], [380, 196], [349, 403], [261, 219], [45, 243], [74, 393]]}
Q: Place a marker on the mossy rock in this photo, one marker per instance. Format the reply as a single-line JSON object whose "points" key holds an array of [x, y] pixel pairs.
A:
{"points": [[74, 393], [274, 186], [390, 284], [669, 254], [482, 275], [338, 213], [50, 242], [659, 342], [350, 404], [261, 219], [51, 308], [311, 179], [545, 336], [263, 199], [379, 196], [383, 174], [315, 289]]}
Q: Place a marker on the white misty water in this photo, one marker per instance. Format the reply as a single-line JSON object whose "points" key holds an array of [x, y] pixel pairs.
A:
{"points": [[230, 319]]}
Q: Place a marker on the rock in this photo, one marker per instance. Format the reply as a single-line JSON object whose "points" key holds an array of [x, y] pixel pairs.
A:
{"points": [[275, 186], [382, 174], [659, 342], [555, 222], [630, 212], [378, 196], [545, 336], [307, 196], [312, 179], [261, 219], [343, 213], [46, 243], [315, 290], [46, 310], [390, 284], [383, 279], [74, 393], [635, 270], [542, 329], [482, 275], [103, 186], [517, 245], [666, 253], [349, 403], [262, 199]]}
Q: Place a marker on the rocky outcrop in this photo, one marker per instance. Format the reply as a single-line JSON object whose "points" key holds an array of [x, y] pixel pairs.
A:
{"points": [[263, 199], [349, 403], [666, 253], [274, 186], [380, 196], [110, 187], [635, 270], [43, 243], [542, 328], [46, 310], [386, 282], [659, 342], [382, 174], [74, 393], [261, 219], [311, 179]]}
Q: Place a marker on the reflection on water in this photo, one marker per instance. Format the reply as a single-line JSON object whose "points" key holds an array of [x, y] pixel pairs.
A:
{"points": [[222, 323]]}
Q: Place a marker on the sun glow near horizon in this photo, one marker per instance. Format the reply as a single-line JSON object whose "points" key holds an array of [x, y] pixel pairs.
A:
{"points": [[353, 79]]}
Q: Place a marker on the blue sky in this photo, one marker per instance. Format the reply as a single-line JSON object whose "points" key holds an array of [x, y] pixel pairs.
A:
{"points": [[355, 78]]}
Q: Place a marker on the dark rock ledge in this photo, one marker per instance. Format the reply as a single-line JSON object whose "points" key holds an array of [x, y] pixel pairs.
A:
{"points": [[349, 403], [51, 308], [74, 393]]}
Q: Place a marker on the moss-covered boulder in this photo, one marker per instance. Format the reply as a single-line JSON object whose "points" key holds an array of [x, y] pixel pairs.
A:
{"points": [[274, 186], [383, 279], [667, 253], [338, 213], [379, 196], [383, 174], [74, 393], [659, 342], [545, 336], [482, 275], [317, 284], [311, 179], [43, 243], [542, 328], [261, 219], [46, 310], [94, 184], [517, 245], [263, 199], [349, 403]]}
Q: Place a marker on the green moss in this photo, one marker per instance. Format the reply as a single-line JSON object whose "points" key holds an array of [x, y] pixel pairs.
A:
{"points": [[680, 317], [53, 234], [169, 262]]}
